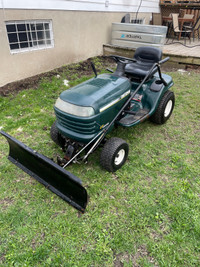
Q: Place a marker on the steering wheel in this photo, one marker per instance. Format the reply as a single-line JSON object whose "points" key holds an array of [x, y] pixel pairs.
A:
{"points": [[124, 60]]}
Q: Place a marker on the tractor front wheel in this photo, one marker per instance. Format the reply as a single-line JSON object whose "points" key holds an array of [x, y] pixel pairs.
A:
{"points": [[164, 109], [56, 136], [114, 154]]}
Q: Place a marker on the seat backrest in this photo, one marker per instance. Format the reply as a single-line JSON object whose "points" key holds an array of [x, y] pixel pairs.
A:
{"points": [[146, 57], [148, 54], [188, 16], [175, 22]]}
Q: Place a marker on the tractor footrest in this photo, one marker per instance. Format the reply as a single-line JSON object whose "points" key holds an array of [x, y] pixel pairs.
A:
{"points": [[130, 119]]}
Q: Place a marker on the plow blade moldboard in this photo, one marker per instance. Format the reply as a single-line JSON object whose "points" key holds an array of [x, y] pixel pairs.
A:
{"points": [[61, 182]]}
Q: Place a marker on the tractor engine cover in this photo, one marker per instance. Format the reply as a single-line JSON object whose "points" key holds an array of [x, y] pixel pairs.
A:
{"points": [[83, 110]]}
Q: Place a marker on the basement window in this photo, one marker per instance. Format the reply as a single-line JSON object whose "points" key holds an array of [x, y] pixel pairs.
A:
{"points": [[29, 35]]}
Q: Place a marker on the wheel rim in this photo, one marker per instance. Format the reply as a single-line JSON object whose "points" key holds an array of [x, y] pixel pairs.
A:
{"points": [[119, 157], [168, 108]]}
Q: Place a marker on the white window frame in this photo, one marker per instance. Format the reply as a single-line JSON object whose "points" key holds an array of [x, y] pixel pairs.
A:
{"points": [[38, 35]]}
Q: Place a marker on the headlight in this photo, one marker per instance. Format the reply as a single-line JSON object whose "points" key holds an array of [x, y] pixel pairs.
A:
{"points": [[74, 109]]}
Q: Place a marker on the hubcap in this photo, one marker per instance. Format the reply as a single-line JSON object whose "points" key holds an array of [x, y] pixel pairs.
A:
{"points": [[168, 108], [119, 157]]}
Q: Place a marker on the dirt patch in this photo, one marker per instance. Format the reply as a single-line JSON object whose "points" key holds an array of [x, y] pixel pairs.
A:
{"points": [[2, 258], [6, 202], [123, 259]]}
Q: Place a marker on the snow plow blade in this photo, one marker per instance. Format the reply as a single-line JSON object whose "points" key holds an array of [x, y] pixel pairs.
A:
{"points": [[55, 178]]}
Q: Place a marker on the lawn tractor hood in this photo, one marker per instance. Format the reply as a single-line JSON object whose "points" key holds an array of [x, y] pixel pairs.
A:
{"points": [[83, 110], [94, 94]]}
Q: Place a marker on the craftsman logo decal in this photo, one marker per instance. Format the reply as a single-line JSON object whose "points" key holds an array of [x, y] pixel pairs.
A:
{"points": [[115, 101]]}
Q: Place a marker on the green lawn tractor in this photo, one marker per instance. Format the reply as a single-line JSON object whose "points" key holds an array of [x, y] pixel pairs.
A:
{"points": [[86, 113]]}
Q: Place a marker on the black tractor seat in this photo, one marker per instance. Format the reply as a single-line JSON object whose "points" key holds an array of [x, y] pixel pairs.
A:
{"points": [[145, 58]]}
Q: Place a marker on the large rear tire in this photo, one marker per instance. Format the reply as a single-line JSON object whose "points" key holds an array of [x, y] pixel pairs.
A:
{"points": [[164, 109], [114, 154]]}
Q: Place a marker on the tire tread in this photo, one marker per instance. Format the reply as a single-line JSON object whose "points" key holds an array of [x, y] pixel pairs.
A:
{"points": [[158, 116], [108, 151]]}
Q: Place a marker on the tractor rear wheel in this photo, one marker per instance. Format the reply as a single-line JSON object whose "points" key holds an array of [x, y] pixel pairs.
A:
{"points": [[164, 109], [114, 154], [56, 136]]}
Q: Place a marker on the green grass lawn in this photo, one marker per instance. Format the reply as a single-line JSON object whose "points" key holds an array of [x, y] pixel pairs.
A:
{"points": [[146, 214]]}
